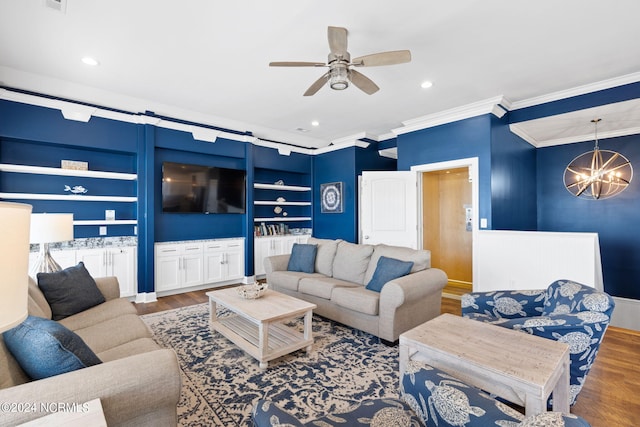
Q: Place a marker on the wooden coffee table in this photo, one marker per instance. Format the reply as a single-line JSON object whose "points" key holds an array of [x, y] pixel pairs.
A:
{"points": [[256, 325], [521, 368]]}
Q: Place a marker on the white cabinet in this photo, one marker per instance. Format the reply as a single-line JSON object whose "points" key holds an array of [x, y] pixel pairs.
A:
{"points": [[223, 260], [118, 262], [100, 262], [178, 265], [275, 245]]}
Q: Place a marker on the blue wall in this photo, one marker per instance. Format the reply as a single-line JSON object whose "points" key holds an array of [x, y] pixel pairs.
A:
{"points": [[615, 220], [463, 139], [513, 179]]}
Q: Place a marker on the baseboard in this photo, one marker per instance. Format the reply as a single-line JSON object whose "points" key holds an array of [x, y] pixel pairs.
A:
{"points": [[145, 297], [451, 296], [626, 314]]}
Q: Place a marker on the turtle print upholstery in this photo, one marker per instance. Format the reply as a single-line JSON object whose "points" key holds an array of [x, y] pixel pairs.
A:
{"points": [[566, 311], [430, 398]]}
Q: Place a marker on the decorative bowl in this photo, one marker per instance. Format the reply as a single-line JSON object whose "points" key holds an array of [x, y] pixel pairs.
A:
{"points": [[252, 291]]}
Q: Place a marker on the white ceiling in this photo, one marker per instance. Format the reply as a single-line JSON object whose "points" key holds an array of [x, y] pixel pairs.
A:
{"points": [[207, 61]]}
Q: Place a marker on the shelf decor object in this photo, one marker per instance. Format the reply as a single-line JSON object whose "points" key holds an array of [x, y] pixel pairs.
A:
{"points": [[48, 228], [598, 174], [14, 263], [331, 197]]}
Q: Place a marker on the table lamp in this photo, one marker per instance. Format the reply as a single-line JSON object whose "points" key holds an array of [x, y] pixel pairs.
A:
{"points": [[48, 228], [14, 263]]}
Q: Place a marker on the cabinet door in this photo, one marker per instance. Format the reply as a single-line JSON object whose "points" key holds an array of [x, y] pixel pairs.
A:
{"points": [[121, 262], [94, 261], [192, 270], [261, 250], [213, 266], [64, 259], [234, 259], [168, 273]]}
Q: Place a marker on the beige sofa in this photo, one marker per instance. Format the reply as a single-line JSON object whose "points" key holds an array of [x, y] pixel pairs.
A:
{"points": [[338, 286], [138, 383]]}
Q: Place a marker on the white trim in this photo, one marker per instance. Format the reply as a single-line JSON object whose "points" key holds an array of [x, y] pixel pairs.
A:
{"points": [[74, 197], [626, 314], [576, 91], [491, 105], [106, 222], [514, 128], [41, 170], [146, 297], [472, 163], [391, 153]]}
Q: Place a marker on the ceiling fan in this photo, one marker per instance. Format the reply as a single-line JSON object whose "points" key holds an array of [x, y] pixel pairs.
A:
{"points": [[340, 65]]}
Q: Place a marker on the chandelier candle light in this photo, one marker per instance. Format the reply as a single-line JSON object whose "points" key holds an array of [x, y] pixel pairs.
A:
{"points": [[598, 174]]}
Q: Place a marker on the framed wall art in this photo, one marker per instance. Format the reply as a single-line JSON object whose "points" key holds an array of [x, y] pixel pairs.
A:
{"points": [[331, 197]]}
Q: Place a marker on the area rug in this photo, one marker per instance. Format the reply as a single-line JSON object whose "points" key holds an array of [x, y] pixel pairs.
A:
{"points": [[220, 382]]}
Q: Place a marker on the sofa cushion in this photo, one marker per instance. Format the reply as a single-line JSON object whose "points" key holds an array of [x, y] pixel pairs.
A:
{"points": [[45, 348], [94, 315], [326, 253], [10, 371], [388, 269], [321, 286], [287, 279], [139, 346], [421, 258], [303, 258], [69, 291], [351, 262], [114, 332], [357, 298], [38, 305]]}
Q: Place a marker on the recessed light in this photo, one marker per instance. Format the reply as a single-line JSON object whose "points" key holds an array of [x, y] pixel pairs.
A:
{"points": [[90, 61], [426, 84], [315, 123]]}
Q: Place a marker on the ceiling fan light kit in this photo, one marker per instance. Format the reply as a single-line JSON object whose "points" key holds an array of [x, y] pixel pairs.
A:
{"points": [[340, 73]]}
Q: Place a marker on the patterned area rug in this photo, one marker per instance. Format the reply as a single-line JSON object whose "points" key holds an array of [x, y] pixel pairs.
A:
{"points": [[220, 382]]}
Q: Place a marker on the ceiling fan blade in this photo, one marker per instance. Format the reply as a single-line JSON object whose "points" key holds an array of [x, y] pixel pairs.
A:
{"points": [[317, 85], [383, 58], [337, 40], [296, 64], [363, 82]]}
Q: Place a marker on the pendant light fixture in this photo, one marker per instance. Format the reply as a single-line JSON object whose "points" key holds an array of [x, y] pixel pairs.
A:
{"points": [[598, 174]]}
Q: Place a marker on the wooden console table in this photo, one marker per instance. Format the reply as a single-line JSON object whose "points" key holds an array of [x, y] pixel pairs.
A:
{"points": [[521, 368]]}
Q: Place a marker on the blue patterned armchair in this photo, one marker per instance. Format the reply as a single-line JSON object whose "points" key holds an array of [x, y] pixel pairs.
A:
{"points": [[430, 398], [566, 311]]}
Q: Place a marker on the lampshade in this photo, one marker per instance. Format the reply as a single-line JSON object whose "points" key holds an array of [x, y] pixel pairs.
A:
{"points": [[598, 174], [14, 263], [51, 227]]}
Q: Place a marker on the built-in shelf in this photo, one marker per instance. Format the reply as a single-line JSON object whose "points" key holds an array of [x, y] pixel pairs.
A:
{"points": [[70, 197], [276, 203], [40, 170], [281, 187], [106, 222], [283, 219]]}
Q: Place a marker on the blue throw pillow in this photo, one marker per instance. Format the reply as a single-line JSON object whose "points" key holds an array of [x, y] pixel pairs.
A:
{"points": [[69, 291], [44, 348], [303, 258], [388, 269]]}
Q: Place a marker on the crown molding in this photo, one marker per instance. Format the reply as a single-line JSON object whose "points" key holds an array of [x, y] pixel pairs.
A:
{"points": [[390, 153], [491, 105], [577, 91]]}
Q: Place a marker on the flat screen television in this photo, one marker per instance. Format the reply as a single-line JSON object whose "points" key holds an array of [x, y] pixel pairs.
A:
{"points": [[190, 188]]}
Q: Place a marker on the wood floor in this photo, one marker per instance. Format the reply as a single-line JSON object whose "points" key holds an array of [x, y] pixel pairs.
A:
{"points": [[609, 398]]}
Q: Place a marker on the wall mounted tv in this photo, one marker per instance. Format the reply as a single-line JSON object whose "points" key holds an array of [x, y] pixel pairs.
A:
{"points": [[190, 188]]}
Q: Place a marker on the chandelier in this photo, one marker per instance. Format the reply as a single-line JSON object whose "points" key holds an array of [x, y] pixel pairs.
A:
{"points": [[598, 174]]}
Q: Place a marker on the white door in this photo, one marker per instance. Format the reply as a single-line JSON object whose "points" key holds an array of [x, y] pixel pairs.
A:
{"points": [[121, 262], [389, 208], [94, 261]]}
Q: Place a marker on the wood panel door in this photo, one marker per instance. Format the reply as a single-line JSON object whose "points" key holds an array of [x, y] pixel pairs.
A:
{"points": [[446, 208]]}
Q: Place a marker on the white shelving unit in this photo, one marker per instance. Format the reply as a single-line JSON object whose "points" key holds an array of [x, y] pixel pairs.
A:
{"points": [[41, 170], [278, 203]]}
